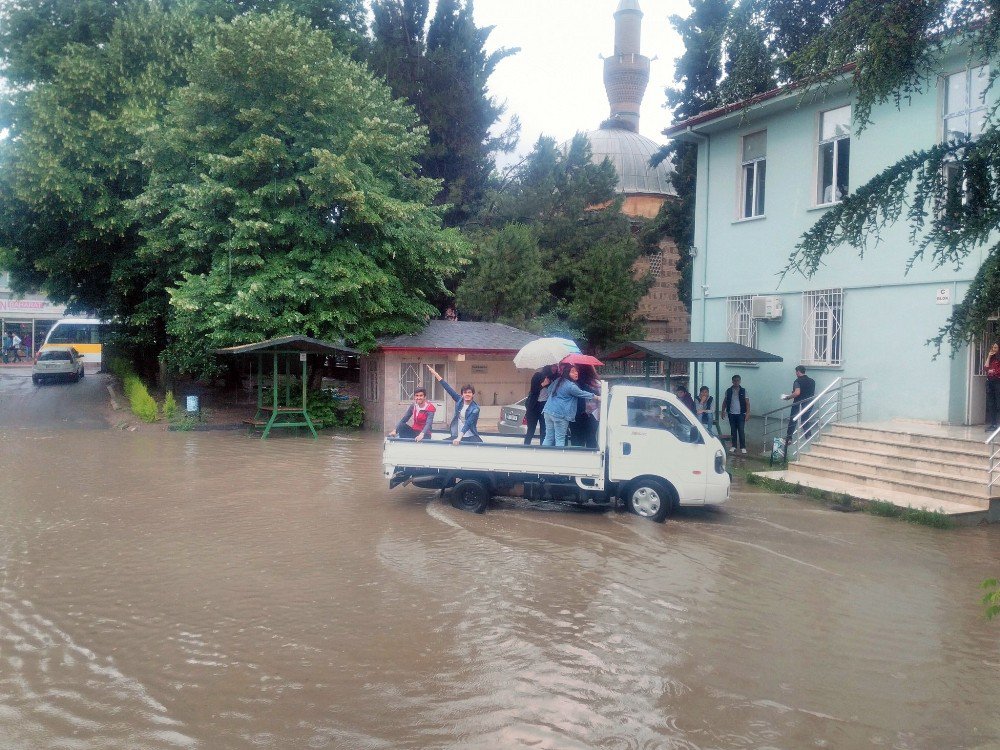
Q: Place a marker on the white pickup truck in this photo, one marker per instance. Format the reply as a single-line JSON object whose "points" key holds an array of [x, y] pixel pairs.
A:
{"points": [[652, 452]]}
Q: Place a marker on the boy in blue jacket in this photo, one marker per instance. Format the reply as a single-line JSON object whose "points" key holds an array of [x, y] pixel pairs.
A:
{"points": [[463, 424]]}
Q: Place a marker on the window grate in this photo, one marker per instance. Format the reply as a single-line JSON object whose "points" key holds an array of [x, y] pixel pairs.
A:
{"points": [[741, 327], [822, 327]]}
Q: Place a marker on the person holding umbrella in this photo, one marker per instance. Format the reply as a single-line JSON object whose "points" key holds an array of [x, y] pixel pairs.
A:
{"points": [[560, 408], [463, 424], [538, 394]]}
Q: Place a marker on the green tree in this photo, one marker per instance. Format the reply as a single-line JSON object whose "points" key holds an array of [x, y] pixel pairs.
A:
{"points": [[35, 35], [290, 199], [792, 27], [697, 73], [750, 66], [894, 47], [606, 293], [506, 281], [66, 176], [445, 76], [571, 205]]}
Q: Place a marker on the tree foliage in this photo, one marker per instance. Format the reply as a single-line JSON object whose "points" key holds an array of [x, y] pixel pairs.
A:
{"points": [[572, 208], [506, 281], [69, 171], [948, 193], [444, 74], [697, 73], [750, 63], [289, 201]]}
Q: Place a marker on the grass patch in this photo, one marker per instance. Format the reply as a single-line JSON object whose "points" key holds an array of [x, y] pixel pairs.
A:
{"points": [[934, 519], [143, 405], [170, 406]]}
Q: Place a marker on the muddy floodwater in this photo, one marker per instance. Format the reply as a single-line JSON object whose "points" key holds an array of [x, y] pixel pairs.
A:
{"points": [[209, 590]]}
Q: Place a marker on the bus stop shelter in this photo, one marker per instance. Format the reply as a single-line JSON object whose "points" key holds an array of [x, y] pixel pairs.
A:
{"points": [[282, 408], [668, 352]]}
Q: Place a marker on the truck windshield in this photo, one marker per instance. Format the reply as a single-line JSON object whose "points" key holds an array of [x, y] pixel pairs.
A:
{"points": [[658, 414]]}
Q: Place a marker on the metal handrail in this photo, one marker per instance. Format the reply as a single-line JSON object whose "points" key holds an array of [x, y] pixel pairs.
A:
{"points": [[994, 468], [838, 402]]}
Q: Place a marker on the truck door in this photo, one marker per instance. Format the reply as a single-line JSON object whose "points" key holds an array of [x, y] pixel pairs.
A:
{"points": [[651, 436]]}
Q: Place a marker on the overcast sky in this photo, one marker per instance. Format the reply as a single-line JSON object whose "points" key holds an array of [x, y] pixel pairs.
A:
{"points": [[555, 83]]}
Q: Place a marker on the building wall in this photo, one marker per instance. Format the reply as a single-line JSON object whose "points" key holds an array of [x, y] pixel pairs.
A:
{"points": [[496, 380], [667, 318], [888, 313]]}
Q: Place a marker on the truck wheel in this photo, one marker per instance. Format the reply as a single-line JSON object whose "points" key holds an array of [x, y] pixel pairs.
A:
{"points": [[650, 499], [470, 495]]}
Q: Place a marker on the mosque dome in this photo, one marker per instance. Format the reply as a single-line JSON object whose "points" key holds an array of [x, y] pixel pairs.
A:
{"points": [[630, 153]]}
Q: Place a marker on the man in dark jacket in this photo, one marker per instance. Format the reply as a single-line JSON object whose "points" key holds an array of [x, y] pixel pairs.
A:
{"points": [[803, 390], [737, 406], [537, 395]]}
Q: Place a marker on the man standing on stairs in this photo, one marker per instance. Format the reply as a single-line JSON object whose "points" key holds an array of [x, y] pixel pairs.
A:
{"points": [[803, 390]]}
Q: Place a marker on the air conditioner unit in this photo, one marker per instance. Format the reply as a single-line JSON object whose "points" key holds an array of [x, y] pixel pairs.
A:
{"points": [[766, 308]]}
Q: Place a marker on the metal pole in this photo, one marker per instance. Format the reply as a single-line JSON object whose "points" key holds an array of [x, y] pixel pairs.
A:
{"points": [[260, 381], [288, 380], [274, 385]]}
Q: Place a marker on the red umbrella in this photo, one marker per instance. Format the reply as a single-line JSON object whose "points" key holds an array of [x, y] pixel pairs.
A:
{"points": [[580, 359]]}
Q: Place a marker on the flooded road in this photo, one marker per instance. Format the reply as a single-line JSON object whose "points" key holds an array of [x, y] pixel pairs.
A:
{"points": [[210, 590]]}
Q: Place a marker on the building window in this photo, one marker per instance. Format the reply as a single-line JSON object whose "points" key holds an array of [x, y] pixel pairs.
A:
{"points": [[413, 375], [965, 104], [822, 327], [834, 155], [742, 328], [754, 167]]}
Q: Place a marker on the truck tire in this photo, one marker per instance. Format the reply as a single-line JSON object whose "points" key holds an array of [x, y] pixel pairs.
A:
{"points": [[650, 499], [470, 495]]}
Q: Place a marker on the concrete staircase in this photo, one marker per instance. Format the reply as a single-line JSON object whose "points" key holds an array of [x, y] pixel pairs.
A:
{"points": [[921, 466]]}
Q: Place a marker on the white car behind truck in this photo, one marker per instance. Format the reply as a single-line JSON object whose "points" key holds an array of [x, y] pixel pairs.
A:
{"points": [[652, 452]]}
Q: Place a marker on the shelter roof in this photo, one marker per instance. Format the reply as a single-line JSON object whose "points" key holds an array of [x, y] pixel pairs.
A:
{"points": [[689, 351], [461, 336], [291, 344]]}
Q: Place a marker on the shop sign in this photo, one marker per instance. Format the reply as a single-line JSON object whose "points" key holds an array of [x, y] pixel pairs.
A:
{"points": [[29, 306]]}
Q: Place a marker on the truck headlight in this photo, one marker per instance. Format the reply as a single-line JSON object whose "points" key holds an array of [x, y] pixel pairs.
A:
{"points": [[720, 462]]}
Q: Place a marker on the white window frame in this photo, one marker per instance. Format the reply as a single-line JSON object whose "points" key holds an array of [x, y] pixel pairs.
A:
{"points": [[823, 328], [413, 374], [971, 107], [741, 327], [757, 167], [836, 142]]}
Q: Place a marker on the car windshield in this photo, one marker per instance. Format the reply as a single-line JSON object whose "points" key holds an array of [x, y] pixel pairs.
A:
{"points": [[54, 354]]}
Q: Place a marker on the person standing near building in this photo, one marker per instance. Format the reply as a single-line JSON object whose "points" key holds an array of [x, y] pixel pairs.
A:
{"points": [[803, 390], [991, 367], [736, 405], [537, 395], [684, 396], [703, 407], [15, 347], [5, 345]]}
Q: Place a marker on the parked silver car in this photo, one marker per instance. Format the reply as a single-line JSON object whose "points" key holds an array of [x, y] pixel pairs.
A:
{"points": [[57, 364], [513, 419]]}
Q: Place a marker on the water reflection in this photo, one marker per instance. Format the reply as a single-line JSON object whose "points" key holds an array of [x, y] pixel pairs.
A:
{"points": [[214, 591]]}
